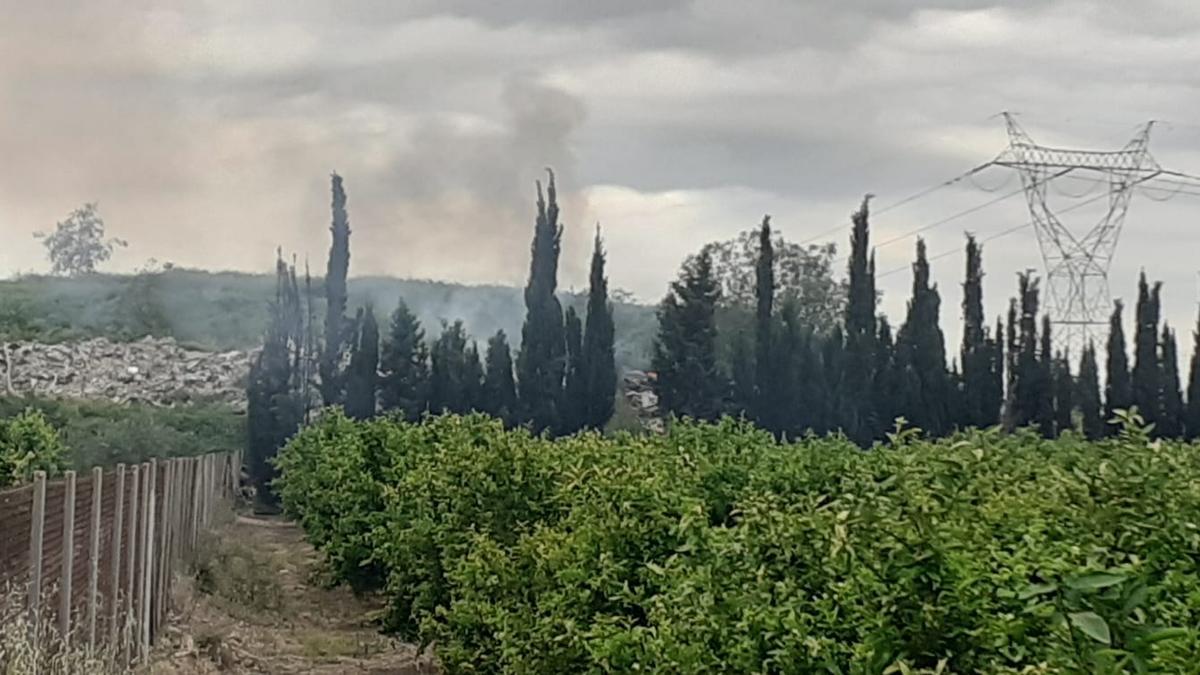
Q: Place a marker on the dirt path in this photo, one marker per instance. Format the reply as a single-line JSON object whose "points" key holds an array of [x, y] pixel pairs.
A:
{"points": [[256, 606]]}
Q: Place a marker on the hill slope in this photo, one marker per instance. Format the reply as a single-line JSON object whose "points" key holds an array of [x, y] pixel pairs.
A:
{"points": [[228, 310]]}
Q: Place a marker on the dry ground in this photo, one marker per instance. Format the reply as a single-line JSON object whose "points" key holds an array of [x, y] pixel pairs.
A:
{"points": [[257, 606]]}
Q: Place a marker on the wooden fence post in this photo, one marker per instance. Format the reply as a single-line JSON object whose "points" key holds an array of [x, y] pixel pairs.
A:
{"points": [[68, 560], [94, 556], [147, 561], [37, 529], [131, 568], [118, 526], [197, 481]]}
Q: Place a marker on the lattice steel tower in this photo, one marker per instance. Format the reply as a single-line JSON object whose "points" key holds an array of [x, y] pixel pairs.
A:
{"points": [[1077, 260]]}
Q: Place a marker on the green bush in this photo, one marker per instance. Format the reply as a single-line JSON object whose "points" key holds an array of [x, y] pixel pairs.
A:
{"points": [[714, 548], [28, 443]]}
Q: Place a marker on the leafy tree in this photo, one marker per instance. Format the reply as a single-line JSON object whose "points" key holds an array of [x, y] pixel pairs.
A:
{"points": [[541, 362], [982, 383], [275, 408], [362, 378], [1147, 374], [1118, 385], [404, 384], [29, 443], [571, 410], [77, 246], [451, 387], [473, 377], [1087, 394], [922, 349], [685, 351], [741, 375], [499, 390], [1192, 413], [802, 272], [599, 362], [337, 327], [1170, 425], [1027, 382]]}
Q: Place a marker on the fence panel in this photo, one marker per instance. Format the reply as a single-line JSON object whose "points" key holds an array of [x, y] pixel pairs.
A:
{"points": [[96, 552]]}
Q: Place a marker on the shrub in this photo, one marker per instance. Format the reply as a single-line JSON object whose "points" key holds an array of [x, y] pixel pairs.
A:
{"points": [[28, 443], [714, 548]]}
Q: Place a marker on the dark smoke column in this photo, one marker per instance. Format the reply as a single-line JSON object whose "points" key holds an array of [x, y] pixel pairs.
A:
{"points": [[541, 361], [336, 326]]}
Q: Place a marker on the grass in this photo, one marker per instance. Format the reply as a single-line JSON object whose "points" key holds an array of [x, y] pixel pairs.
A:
{"points": [[99, 433]]}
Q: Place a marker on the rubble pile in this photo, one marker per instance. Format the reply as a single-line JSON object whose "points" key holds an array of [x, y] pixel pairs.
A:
{"points": [[638, 388], [157, 371]]}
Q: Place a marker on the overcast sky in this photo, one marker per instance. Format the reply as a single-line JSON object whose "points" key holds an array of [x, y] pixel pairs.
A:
{"points": [[206, 130]]}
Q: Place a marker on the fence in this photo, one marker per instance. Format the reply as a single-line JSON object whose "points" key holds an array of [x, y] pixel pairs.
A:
{"points": [[98, 551]]}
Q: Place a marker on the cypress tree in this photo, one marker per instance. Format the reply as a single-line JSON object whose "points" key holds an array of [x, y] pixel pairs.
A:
{"points": [[362, 378], [571, 411], [449, 388], [274, 408], [1087, 394], [1028, 380], [993, 402], [1147, 375], [923, 346], [404, 362], [832, 401], [1012, 410], [982, 390], [685, 351], [767, 403], [337, 328], [600, 367], [1118, 385], [1044, 390], [886, 380], [541, 363], [742, 375], [1192, 413], [1064, 394], [860, 421], [472, 378], [499, 389], [1170, 424]]}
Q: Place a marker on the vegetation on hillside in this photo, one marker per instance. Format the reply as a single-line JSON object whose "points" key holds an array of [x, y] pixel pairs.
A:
{"points": [[716, 548]]}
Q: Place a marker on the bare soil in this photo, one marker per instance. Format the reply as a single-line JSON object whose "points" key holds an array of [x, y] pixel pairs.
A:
{"points": [[257, 606]]}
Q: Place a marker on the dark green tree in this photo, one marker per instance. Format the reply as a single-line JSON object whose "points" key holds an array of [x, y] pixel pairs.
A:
{"points": [[860, 421], [473, 378], [1192, 413], [541, 363], [499, 389], [599, 362], [275, 408], [685, 352], [1045, 389], [1170, 424], [1087, 394], [766, 393], [982, 386], [1064, 393], [450, 388], [338, 330], [571, 410], [886, 381], [1028, 383], [1118, 385], [362, 376], [404, 363], [741, 375], [921, 347], [1147, 374]]}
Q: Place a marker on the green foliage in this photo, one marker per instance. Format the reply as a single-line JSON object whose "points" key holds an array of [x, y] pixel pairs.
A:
{"points": [[404, 363], [1118, 387], [921, 354], [1147, 371], [29, 443], [362, 376], [98, 433], [599, 362], [499, 395], [77, 245], [456, 375], [685, 353], [714, 548], [338, 329]]}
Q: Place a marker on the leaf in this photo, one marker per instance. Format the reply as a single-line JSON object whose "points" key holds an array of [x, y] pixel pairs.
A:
{"points": [[1160, 634], [1092, 625], [1034, 590], [1091, 582], [657, 569]]}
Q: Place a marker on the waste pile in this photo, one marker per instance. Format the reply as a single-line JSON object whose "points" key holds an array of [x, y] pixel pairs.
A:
{"points": [[638, 388]]}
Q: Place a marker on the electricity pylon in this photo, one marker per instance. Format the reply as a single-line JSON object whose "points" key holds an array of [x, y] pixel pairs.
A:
{"points": [[1077, 260]]}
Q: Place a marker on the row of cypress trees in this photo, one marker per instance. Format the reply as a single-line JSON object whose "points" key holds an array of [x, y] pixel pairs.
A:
{"points": [[858, 378], [565, 377]]}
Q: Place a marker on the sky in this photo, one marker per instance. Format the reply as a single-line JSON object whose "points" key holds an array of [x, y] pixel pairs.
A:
{"points": [[206, 130]]}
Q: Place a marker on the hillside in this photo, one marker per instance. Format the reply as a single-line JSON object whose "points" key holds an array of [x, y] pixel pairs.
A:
{"points": [[227, 310]]}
